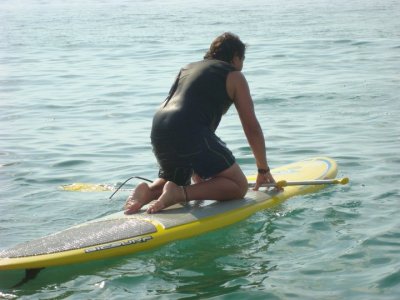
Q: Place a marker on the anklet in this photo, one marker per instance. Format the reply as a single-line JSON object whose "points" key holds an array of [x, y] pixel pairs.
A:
{"points": [[185, 192]]}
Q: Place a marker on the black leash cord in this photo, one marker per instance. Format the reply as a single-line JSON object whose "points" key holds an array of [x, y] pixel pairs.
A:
{"points": [[138, 177]]}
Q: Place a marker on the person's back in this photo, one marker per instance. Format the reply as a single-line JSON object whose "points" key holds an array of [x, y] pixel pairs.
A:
{"points": [[183, 133], [196, 102]]}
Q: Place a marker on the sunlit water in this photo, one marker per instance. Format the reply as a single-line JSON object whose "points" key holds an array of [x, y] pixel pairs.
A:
{"points": [[79, 82]]}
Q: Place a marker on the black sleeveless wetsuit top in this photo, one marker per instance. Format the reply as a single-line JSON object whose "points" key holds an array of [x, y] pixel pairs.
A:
{"points": [[196, 102]]}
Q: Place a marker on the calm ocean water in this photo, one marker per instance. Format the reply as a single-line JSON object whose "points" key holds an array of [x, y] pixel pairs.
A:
{"points": [[80, 80]]}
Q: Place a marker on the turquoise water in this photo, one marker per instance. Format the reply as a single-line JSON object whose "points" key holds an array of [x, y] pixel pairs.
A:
{"points": [[79, 82]]}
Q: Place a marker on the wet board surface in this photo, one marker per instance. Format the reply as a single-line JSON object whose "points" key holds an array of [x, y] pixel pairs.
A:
{"points": [[120, 234]]}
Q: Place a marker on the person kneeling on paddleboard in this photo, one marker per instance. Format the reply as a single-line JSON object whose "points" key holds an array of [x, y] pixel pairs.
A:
{"points": [[183, 133]]}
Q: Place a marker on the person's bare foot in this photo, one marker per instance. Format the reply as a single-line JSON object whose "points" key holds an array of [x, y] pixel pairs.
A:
{"points": [[172, 194], [139, 197]]}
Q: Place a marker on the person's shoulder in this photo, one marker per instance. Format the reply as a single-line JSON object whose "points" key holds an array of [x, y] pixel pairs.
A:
{"points": [[195, 64], [236, 83], [236, 76], [213, 65], [220, 66]]}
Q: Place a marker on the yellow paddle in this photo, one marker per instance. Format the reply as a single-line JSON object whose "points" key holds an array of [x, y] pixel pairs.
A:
{"points": [[91, 187]]}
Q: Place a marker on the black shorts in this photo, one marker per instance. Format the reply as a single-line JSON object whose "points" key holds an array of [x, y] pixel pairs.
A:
{"points": [[206, 155]]}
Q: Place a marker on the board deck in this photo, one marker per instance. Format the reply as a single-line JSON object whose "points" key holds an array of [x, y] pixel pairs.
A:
{"points": [[119, 234]]}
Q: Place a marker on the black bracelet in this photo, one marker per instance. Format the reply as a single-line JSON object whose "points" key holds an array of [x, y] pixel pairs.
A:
{"points": [[263, 171]]}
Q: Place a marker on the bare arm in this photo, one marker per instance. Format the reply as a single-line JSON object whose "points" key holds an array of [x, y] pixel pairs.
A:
{"points": [[238, 90]]}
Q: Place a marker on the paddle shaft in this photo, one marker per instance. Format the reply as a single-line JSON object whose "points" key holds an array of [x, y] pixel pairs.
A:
{"points": [[283, 183]]}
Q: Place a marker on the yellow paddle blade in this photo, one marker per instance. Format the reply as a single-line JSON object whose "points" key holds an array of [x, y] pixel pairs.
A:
{"points": [[87, 187]]}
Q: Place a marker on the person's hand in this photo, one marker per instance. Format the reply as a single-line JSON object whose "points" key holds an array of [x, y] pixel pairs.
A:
{"points": [[266, 178]]}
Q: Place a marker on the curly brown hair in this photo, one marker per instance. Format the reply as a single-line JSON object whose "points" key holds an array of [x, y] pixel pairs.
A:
{"points": [[225, 47]]}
